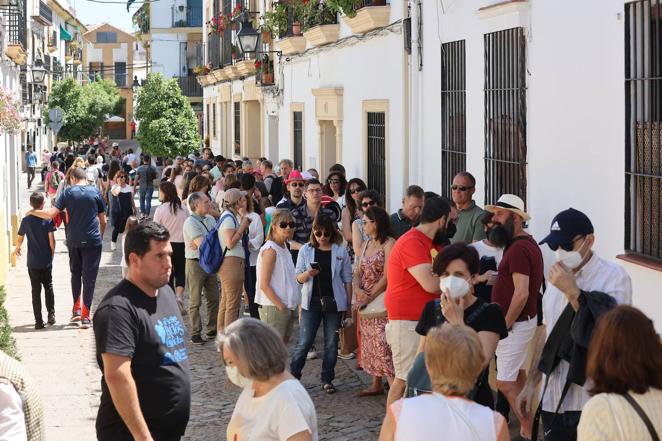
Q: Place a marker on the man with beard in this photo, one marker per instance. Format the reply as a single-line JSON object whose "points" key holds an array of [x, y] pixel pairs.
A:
{"points": [[141, 347], [411, 285], [516, 290]]}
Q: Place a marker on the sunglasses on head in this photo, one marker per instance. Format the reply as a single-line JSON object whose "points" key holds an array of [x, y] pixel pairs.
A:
{"points": [[319, 233], [368, 204], [460, 187], [297, 184], [287, 225]]}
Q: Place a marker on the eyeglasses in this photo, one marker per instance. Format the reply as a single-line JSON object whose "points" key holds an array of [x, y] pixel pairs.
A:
{"points": [[297, 184], [322, 233], [287, 225], [368, 204], [355, 190], [333, 181], [460, 188]]}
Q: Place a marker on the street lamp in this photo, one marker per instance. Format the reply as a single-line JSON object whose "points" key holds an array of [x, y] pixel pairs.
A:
{"points": [[38, 72], [247, 36]]}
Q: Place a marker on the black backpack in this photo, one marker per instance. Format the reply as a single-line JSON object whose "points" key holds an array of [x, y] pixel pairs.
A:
{"points": [[277, 189]]}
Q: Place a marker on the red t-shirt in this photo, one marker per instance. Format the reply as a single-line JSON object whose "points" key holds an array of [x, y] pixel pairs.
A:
{"points": [[405, 298], [523, 256]]}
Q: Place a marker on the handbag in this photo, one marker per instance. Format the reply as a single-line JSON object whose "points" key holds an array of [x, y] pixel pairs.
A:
{"points": [[376, 308]]}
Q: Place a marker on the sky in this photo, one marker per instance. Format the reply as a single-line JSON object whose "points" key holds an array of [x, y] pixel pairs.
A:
{"points": [[90, 13]]}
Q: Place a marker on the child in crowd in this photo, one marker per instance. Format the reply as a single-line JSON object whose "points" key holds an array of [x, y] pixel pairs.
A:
{"points": [[41, 247], [131, 223]]}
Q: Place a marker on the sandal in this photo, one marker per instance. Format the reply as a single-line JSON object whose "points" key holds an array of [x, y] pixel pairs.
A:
{"points": [[329, 388]]}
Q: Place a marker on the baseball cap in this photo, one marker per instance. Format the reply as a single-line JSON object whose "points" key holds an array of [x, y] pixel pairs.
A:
{"points": [[232, 195], [179, 158], [567, 225], [115, 144]]}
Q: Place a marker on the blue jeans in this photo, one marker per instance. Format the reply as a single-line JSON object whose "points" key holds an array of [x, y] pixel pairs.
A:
{"points": [[146, 200], [310, 322]]}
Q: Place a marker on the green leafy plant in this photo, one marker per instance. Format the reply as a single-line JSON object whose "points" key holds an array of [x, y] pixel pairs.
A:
{"points": [[7, 342], [316, 13], [168, 126], [346, 7], [275, 21]]}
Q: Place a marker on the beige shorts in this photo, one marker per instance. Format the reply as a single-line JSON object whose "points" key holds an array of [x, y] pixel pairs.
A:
{"points": [[282, 321], [511, 352], [401, 336]]}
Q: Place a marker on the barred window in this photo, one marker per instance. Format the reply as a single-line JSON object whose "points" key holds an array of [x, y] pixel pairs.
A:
{"points": [[208, 119], [453, 113], [297, 136], [643, 123], [213, 120], [505, 114], [237, 128], [377, 152]]}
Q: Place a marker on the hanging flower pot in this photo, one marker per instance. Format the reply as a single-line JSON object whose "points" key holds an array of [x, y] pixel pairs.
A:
{"points": [[296, 28]]}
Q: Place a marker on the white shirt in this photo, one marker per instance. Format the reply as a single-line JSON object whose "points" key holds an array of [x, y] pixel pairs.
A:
{"points": [[597, 275], [12, 420], [283, 278], [255, 237], [488, 251], [281, 413]]}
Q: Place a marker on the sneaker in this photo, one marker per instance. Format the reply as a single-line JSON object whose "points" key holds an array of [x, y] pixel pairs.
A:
{"points": [[113, 246], [312, 354], [85, 323], [75, 317], [51, 318], [39, 325], [197, 340], [349, 356]]}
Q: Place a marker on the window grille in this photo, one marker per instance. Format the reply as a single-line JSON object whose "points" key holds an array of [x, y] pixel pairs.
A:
{"points": [[237, 128], [298, 139], [505, 114], [377, 152], [453, 113], [643, 125]]}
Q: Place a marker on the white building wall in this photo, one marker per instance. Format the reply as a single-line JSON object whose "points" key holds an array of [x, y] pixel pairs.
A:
{"points": [[575, 114], [166, 53], [121, 54]]}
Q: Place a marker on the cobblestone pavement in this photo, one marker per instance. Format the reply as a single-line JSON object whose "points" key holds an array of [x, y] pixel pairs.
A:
{"points": [[62, 362]]}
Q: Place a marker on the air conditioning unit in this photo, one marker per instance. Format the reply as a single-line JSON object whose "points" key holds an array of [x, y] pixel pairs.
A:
{"points": [[3, 35]]}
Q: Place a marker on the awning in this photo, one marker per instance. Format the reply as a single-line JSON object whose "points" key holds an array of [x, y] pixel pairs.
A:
{"points": [[64, 34], [115, 118]]}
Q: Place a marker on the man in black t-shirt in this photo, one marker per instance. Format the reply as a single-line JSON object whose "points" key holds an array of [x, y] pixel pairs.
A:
{"points": [[141, 347]]}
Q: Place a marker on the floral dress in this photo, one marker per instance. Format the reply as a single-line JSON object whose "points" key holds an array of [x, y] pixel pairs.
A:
{"points": [[375, 352]]}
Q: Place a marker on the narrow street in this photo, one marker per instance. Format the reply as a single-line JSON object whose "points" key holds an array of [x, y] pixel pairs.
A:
{"points": [[61, 359]]}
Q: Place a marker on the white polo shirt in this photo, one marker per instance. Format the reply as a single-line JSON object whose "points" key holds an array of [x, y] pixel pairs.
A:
{"points": [[597, 275]]}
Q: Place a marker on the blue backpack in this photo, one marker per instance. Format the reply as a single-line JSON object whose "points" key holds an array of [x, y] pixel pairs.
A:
{"points": [[211, 256]]}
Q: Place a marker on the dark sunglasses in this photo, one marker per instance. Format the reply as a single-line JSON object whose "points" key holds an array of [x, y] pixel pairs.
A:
{"points": [[566, 246], [355, 190], [121, 177], [287, 224], [368, 204], [460, 187], [322, 233], [295, 184], [333, 181]]}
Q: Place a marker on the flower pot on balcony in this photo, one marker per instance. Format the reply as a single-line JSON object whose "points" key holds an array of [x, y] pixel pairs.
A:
{"points": [[266, 37], [296, 28], [267, 78], [67, 58], [291, 45], [202, 80], [323, 34], [76, 62], [52, 49], [246, 67], [369, 18], [15, 52]]}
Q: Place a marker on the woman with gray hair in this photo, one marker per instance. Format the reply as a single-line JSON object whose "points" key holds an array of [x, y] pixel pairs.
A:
{"points": [[273, 405]]}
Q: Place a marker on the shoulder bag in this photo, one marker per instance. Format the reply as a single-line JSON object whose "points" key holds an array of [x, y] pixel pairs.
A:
{"points": [[376, 308]]}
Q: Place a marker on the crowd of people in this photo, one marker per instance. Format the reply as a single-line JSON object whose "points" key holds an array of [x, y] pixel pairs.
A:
{"points": [[426, 298]]}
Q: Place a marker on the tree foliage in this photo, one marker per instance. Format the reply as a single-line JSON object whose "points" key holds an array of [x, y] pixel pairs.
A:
{"points": [[167, 124], [85, 106]]}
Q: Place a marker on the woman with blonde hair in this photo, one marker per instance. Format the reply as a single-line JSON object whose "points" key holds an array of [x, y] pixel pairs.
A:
{"points": [[277, 291], [454, 358]]}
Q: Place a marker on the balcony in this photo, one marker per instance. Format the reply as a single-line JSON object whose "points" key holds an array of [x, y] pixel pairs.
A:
{"points": [[189, 86], [373, 14], [52, 42], [43, 14], [186, 17], [15, 19]]}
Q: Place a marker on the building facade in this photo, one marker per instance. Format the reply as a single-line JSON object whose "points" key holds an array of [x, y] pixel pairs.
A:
{"points": [[108, 53]]}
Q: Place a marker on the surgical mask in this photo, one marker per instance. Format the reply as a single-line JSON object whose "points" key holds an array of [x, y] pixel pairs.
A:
{"points": [[236, 378], [571, 259], [456, 286]]}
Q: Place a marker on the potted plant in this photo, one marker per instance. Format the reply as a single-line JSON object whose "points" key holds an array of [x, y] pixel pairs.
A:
{"points": [[316, 13], [275, 21], [180, 23], [346, 7], [10, 118]]}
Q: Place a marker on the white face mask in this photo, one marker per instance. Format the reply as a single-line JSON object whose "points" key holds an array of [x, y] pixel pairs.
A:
{"points": [[236, 378], [456, 286], [571, 259]]}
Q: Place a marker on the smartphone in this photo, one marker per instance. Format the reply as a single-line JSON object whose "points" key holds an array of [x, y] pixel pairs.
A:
{"points": [[315, 266]]}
